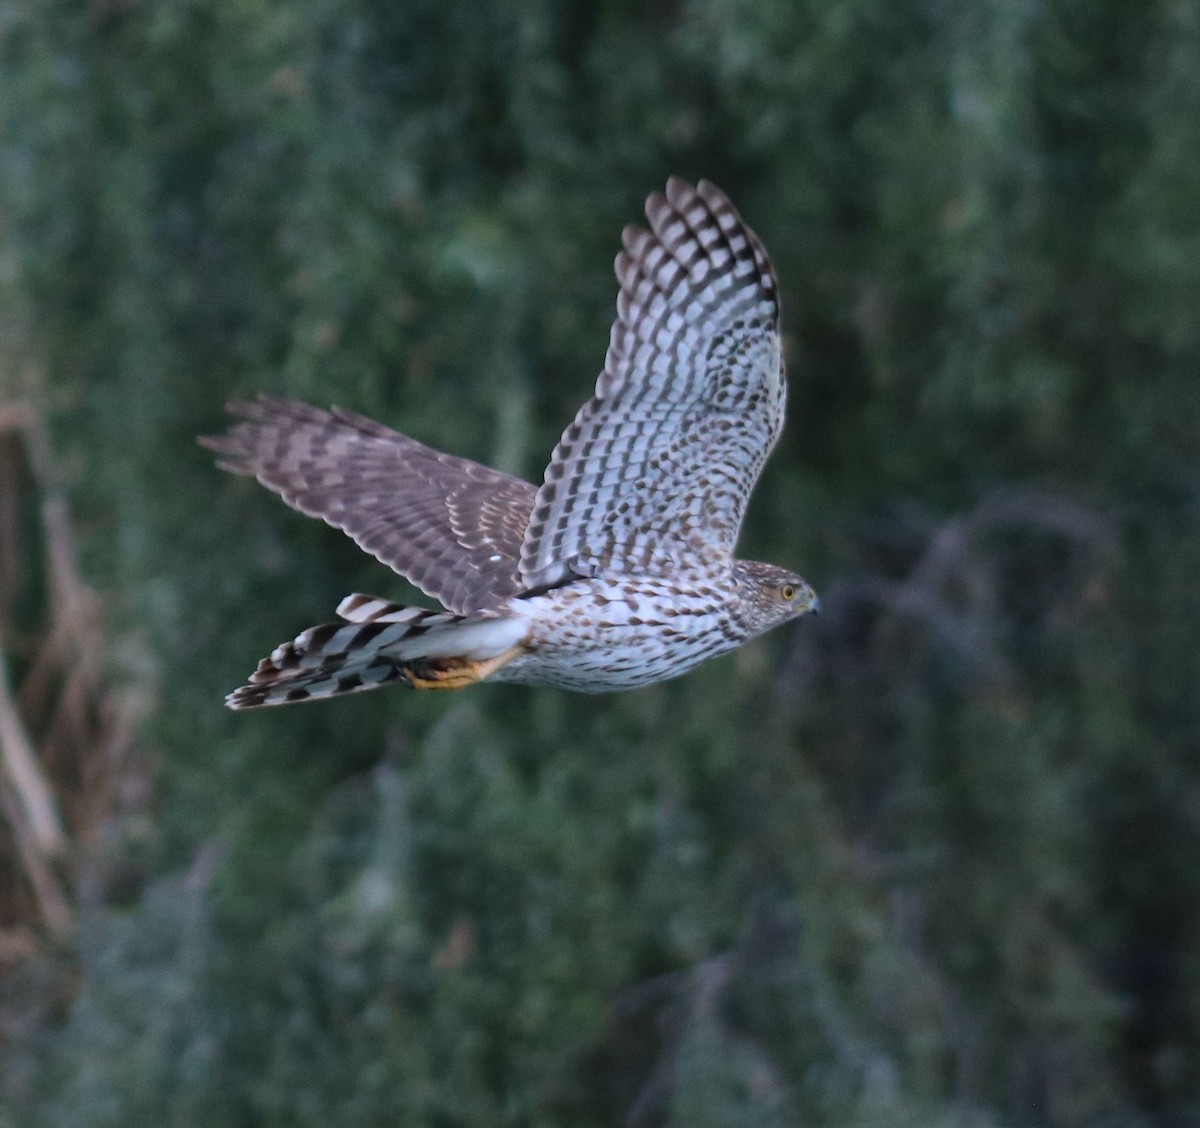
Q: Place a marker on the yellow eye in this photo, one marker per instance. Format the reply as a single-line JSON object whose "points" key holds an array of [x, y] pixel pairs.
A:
{"points": [[788, 592]]}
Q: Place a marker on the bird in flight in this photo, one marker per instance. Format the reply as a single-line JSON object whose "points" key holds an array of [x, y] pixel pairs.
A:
{"points": [[618, 570]]}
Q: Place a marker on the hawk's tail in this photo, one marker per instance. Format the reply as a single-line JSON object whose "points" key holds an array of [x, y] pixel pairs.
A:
{"points": [[382, 642]]}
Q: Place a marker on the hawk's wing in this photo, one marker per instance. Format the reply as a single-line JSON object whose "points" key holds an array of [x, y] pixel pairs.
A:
{"points": [[658, 466], [449, 525]]}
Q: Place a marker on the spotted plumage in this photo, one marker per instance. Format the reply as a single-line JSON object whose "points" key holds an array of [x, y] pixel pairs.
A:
{"points": [[618, 571]]}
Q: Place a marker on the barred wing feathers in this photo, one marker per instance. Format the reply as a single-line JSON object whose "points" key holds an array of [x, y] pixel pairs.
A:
{"points": [[658, 466], [449, 525]]}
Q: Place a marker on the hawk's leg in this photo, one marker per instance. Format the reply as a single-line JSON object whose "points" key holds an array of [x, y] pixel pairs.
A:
{"points": [[454, 673]]}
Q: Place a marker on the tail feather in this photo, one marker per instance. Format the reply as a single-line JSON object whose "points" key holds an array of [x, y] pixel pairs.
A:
{"points": [[372, 609], [378, 643]]}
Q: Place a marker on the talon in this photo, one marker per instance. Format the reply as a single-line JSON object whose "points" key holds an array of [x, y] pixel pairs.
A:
{"points": [[455, 673]]}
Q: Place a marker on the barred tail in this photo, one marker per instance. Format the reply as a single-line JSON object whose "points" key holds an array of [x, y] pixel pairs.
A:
{"points": [[379, 643]]}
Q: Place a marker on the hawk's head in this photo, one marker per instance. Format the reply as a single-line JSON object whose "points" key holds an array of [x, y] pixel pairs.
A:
{"points": [[773, 595]]}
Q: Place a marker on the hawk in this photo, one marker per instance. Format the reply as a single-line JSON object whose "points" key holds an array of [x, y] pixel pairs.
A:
{"points": [[618, 570]]}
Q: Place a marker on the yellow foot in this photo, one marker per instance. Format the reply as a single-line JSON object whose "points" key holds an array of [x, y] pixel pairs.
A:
{"points": [[455, 673]]}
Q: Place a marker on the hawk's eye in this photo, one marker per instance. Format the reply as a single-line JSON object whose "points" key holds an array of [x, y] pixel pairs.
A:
{"points": [[788, 592]]}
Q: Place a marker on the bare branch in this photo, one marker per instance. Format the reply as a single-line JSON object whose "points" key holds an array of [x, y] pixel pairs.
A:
{"points": [[24, 777]]}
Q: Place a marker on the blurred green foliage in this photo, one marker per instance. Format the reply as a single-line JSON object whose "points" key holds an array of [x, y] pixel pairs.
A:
{"points": [[930, 861]]}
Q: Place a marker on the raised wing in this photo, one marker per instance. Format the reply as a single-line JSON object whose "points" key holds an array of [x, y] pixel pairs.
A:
{"points": [[658, 466], [449, 525]]}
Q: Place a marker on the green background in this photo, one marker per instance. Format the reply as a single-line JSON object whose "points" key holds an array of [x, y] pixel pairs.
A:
{"points": [[931, 860]]}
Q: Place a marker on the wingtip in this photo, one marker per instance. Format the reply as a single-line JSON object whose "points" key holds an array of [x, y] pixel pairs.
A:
{"points": [[678, 189], [656, 205], [712, 195]]}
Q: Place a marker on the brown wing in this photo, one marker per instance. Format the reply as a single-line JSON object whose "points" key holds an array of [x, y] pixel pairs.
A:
{"points": [[451, 526], [657, 468]]}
